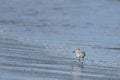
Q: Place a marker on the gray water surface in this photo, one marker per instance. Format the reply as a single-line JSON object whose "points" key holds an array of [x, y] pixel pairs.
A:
{"points": [[37, 39]]}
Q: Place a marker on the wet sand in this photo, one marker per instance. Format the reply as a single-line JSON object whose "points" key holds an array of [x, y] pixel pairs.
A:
{"points": [[23, 61], [37, 38]]}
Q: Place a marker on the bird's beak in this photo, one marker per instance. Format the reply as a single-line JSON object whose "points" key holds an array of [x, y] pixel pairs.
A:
{"points": [[73, 52]]}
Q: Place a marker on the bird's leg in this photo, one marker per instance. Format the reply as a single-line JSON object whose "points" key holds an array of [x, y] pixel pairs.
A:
{"points": [[79, 59], [82, 59]]}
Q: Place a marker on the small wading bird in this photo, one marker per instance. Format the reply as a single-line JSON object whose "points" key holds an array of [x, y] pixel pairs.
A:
{"points": [[80, 54]]}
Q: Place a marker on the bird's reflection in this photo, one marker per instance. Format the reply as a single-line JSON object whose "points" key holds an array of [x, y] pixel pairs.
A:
{"points": [[78, 67], [77, 71]]}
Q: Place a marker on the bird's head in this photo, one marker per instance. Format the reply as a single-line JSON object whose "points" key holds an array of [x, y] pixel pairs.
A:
{"points": [[76, 50]]}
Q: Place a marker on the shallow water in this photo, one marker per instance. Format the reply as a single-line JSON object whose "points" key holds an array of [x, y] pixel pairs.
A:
{"points": [[37, 39], [23, 61]]}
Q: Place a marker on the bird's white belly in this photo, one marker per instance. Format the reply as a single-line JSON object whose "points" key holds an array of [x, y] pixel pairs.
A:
{"points": [[77, 55]]}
